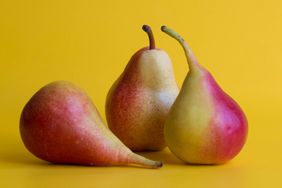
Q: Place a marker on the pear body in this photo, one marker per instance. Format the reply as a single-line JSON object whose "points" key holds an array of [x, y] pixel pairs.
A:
{"points": [[205, 125], [60, 124], [138, 102]]}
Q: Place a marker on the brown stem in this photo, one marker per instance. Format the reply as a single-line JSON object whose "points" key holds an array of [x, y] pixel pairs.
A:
{"points": [[148, 30]]}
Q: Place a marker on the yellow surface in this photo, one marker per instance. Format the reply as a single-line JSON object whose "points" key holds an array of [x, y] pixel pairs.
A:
{"points": [[90, 42]]}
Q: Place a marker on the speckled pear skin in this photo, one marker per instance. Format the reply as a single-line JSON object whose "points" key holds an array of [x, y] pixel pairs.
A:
{"points": [[60, 124], [205, 125], [138, 102]]}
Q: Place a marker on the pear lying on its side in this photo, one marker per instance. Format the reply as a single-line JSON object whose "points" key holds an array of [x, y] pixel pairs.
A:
{"points": [[204, 125], [60, 124], [138, 102]]}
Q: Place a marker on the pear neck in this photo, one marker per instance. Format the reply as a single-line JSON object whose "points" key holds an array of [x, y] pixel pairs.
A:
{"points": [[191, 59], [156, 70]]}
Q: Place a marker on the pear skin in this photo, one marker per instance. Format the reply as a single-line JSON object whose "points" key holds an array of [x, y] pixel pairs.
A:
{"points": [[138, 102], [60, 124], [205, 125]]}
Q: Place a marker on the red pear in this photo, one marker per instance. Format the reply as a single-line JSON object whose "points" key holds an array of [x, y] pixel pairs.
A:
{"points": [[138, 102], [60, 124], [205, 125]]}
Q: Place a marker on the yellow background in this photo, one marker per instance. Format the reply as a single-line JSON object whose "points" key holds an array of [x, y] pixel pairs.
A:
{"points": [[90, 42]]}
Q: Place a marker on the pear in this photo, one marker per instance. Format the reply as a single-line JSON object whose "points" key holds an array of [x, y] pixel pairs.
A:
{"points": [[60, 124], [204, 125], [138, 102]]}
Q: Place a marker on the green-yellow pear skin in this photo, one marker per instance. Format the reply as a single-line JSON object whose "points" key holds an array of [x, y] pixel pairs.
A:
{"points": [[138, 102], [60, 124], [204, 125]]}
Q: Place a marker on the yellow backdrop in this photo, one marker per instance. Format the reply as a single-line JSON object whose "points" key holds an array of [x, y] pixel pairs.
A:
{"points": [[90, 42]]}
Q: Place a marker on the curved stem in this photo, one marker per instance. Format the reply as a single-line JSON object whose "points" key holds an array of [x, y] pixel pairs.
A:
{"points": [[192, 61], [148, 30]]}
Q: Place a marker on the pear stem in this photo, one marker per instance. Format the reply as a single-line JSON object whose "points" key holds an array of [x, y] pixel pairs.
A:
{"points": [[191, 59], [149, 31]]}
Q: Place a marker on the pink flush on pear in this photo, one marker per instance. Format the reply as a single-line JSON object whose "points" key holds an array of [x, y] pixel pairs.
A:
{"points": [[60, 124], [204, 125], [138, 102]]}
